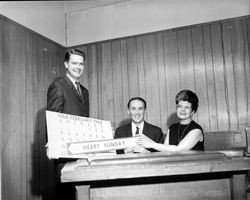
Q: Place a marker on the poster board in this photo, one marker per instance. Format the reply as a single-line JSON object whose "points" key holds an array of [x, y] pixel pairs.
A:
{"points": [[71, 136]]}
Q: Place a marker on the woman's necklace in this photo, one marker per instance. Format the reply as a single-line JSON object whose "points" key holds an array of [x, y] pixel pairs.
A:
{"points": [[183, 132]]}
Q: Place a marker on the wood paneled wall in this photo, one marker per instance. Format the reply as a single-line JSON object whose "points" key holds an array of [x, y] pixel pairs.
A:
{"points": [[28, 63], [1, 109], [211, 59]]}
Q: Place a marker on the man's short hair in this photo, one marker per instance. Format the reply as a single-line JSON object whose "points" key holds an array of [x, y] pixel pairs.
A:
{"points": [[75, 52], [139, 99]]}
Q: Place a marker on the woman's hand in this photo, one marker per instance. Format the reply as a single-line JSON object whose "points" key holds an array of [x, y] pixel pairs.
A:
{"points": [[144, 141]]}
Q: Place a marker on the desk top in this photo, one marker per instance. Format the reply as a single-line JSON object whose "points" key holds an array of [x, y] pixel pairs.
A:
{"points": [[152, 164]]}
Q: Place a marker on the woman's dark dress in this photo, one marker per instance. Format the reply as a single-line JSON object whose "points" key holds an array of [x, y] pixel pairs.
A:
{"points": [[178, 131]]}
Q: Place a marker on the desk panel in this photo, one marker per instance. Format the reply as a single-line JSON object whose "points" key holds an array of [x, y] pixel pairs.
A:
{"points": [[213, 189], [187, 175]]}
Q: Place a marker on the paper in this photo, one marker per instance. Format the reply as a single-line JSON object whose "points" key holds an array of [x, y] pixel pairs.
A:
{"points": [[99, 146], [63, 130]]}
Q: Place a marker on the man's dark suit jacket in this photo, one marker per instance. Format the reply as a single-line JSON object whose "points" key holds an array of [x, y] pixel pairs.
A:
{"points": [[62, 97], [151, 131]]}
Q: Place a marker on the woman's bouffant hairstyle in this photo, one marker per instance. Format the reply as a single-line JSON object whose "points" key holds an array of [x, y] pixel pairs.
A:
{"points": [[189, 96]]}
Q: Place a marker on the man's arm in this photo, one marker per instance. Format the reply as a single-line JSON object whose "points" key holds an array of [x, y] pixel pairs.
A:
{"points": [[55, 98], [159, 136]]}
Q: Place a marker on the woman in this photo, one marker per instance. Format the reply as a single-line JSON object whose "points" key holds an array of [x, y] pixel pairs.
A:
{"points": [[185, 135]]}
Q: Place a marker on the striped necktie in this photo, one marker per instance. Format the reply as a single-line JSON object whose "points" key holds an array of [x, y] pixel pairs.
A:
{"points": [[78, 88]]}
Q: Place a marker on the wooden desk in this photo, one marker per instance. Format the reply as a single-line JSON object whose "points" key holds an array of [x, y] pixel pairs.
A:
{"points": [[186, 175]]}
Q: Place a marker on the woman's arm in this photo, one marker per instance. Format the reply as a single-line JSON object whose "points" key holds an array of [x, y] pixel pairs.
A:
{"points": [[146, 142], [187, 143], [191, 139]]}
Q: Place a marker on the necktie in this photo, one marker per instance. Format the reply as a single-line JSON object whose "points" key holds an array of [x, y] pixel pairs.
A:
{"points": [[137, 131], [78, 88]]}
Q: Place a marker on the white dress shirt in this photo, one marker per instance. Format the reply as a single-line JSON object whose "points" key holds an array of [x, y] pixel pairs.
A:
{"points": [[141, 125], [72, 80]]}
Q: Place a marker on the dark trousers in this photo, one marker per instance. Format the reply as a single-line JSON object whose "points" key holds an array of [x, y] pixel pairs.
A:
{"points": [[63, 191]]}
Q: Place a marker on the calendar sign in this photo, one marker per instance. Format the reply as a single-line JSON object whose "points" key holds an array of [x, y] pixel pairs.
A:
{"points": [[66, 131]]}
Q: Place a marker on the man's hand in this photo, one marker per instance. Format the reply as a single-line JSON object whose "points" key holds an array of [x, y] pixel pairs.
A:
{"points": [[136, 149], [129, 150], [140, 150]]}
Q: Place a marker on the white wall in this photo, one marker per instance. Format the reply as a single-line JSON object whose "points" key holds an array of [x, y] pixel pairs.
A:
{"points": [[143, 16], [98, 20], [46, 18]]}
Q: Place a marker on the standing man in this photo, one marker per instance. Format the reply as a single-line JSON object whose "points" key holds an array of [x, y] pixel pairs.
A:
{"points": [[66, 94], [137, 109]]}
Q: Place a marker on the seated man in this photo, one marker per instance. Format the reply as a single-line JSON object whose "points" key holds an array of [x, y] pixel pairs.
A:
{"points": [[136, 110]]}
